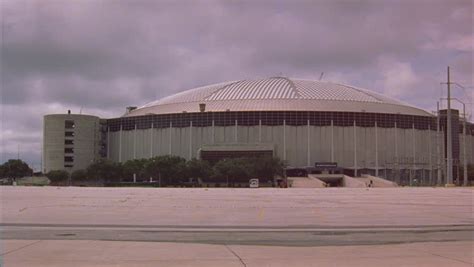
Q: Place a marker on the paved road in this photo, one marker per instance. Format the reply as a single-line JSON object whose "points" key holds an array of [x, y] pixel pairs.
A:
{"points": [[239, 236]]}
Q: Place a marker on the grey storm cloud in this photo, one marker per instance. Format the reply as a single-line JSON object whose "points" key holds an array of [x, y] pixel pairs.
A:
{"points": [[98, 56]]}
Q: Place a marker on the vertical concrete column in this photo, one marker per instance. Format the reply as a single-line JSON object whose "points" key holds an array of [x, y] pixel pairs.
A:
{"points": [[108, 142], [397, 160], [96, 140], [135, 142], [471, 150], [376, 151], [120, 144], [332, 140], [438, 151], [235, 132], [170, 138], [191, 140], [260, 131], [308, 156], [464, 151], [355, 149], [284, 139], [444, 160], [213, 132], [430, 152], [151, 140], [412, 172]]}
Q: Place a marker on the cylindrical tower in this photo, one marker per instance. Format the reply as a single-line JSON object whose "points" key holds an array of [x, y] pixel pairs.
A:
{"points": [[71, 141]]}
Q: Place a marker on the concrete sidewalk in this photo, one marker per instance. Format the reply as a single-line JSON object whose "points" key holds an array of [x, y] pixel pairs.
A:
{"points": [[51, 253]]}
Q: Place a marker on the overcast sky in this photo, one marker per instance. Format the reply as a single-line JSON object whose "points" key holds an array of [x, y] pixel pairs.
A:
{"points": [[101, 56]]}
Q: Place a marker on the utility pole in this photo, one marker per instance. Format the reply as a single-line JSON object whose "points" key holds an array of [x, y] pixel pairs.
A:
{"points": [[449, 144]]}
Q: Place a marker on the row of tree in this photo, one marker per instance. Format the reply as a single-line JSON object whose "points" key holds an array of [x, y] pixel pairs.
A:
{"points": [[173, 170]]}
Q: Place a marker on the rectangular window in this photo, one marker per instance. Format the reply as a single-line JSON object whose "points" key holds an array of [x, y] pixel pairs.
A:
{"points": [[69, 150], [68, 124], [68, 159], [69, 134], [69, 142]]}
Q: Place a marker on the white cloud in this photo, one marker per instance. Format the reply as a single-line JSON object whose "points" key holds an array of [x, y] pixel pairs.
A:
{"points": [[104, 56], [398, 78], [462, 43]]}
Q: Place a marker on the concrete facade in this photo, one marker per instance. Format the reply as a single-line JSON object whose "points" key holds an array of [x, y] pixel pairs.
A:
{"points": [[70, 141], [374, 150]]}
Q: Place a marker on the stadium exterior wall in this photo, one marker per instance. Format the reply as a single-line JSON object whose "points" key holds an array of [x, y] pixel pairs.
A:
{"points": [[376, 147]]}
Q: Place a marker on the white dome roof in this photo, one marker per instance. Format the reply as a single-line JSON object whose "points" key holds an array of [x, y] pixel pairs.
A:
{"points": [[278, 94]]}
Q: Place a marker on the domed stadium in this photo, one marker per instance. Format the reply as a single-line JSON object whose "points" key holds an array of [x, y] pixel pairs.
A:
{"points": [[303, 122], [277, 94]]}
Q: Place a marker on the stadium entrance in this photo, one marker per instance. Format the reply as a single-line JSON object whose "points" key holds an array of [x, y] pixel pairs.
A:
{"points": [[215, 153]]}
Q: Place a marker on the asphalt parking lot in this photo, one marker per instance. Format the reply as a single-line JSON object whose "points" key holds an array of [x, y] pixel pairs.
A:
{"points": [[227, 227]]}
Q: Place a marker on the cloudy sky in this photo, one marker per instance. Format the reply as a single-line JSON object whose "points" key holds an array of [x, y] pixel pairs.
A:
{"points": [[100, 56]]}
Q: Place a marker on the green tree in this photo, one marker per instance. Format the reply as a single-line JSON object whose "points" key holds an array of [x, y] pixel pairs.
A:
{"points": [[15, 168], [197, 168], [168, 169], [136, 166], [2, 171], [105, 170], [233, 170], [79, 175], [57, 176], [266, 168]]}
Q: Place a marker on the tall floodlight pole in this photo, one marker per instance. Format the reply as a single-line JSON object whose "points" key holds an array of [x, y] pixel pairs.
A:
{"points": [[449, 144]]}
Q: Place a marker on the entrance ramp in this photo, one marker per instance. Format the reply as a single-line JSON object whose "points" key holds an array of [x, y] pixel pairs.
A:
{"points": [[338, 180], [306, 182], [349, 181], [377, 181], [330, 180]]}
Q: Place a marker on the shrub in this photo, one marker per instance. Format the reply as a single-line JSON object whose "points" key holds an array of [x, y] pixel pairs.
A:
{"points": [[58, 176], [169, 169], [105, 170], [79, 175], [200, 169], [135, 166], [233, 170], [265, 168]]}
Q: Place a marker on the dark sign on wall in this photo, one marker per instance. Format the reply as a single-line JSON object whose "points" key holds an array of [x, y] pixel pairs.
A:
{"points": [[325, 164]]}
